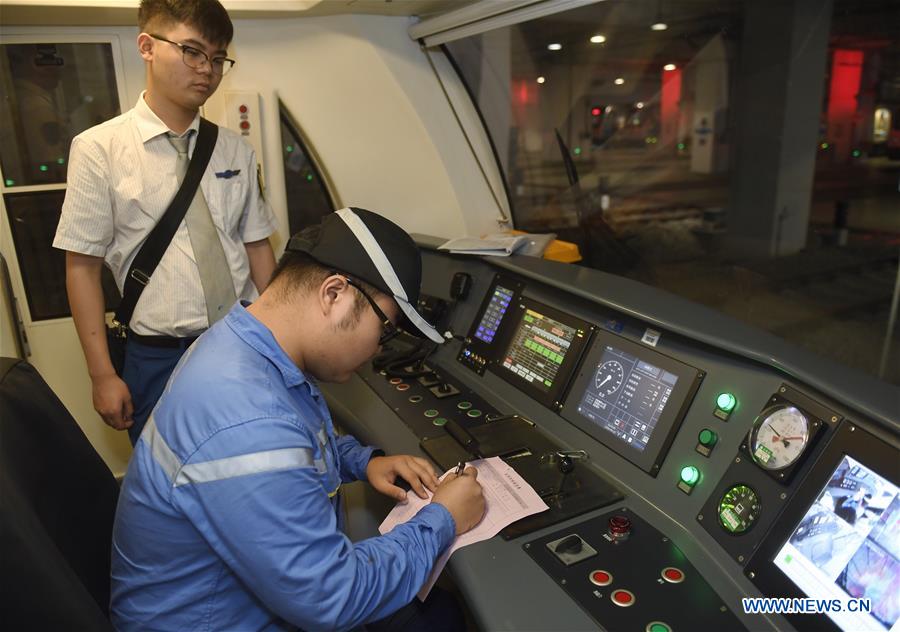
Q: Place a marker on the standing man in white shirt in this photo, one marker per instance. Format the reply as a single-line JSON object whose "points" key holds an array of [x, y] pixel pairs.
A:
{"points": [[122, 176]]}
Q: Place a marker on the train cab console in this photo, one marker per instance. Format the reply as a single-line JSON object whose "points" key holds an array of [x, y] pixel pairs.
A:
{"points": [[688, 460]]}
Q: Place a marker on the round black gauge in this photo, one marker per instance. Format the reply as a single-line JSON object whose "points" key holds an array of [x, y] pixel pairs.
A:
{"points": [[738, 509], [609, 377], [779, 436]]}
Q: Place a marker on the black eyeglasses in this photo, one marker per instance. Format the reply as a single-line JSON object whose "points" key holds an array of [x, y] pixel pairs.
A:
{"points": [[195, 58], [389, 329]]}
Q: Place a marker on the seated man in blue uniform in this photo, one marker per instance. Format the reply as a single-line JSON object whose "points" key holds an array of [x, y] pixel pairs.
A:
{"points": [[229, 517]]}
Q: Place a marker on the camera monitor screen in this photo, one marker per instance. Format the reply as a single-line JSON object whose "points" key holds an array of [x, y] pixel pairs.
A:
{"points": [[631, 398], [542, 351], [848, 545]]}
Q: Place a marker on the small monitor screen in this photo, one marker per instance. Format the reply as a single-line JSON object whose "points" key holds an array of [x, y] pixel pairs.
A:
{"points": [[848, 545], [626, 396], [631, 398], [496, 308], [538, 349]]}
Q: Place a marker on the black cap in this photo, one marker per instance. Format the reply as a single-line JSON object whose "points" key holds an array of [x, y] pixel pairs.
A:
{"points": [[369, 247]]}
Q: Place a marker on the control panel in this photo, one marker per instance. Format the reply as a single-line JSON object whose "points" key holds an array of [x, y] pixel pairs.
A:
{"points": [[688, 460]]}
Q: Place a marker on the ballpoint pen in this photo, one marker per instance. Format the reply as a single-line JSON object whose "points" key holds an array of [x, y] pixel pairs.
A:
{"points": [[460, 467]]}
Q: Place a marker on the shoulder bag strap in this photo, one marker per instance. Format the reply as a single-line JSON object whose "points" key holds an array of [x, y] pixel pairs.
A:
{"points": [[160, 237]]}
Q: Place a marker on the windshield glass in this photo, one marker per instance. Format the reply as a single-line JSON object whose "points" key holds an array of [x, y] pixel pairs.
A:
{"points": [[744, 155]]}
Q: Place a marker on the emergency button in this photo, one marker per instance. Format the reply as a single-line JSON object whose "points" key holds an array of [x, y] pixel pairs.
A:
{"points": [[622, 598], [601, 578], [673, 575]]}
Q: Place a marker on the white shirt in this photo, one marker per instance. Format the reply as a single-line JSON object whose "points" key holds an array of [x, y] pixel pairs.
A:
{"points": [[121, 179]]}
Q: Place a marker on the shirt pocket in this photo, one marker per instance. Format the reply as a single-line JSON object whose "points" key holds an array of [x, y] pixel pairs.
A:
{"points": [[225, 199]]}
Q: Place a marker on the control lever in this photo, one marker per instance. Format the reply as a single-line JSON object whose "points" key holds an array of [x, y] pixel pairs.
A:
{"points": [[463, 437], [565, 463]]}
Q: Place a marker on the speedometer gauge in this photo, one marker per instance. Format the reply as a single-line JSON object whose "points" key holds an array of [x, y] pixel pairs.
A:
{"points": [[779, 436]]}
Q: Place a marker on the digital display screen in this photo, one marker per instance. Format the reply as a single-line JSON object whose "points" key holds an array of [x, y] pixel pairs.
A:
{"points": [[626, 396], [493, 314], [848, 545], [538, 349]]}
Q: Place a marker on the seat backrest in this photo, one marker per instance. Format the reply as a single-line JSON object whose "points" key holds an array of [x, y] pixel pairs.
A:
{"points": [[58, 503]]}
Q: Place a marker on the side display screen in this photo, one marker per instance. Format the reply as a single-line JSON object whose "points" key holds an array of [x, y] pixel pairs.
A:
{"points": [[848, 545], [627, 396], [484, 344], [631, 398], [496, 309], [543, 350]]}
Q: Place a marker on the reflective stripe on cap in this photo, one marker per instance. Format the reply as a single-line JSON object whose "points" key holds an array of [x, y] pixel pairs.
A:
{"points": [[386, 270]]}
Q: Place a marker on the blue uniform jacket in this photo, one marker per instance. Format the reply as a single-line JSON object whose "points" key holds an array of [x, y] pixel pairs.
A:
{"points": [[228, 517]]}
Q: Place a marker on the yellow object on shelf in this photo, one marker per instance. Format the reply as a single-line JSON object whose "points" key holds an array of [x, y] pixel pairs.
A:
{"points": [[558, 250]]}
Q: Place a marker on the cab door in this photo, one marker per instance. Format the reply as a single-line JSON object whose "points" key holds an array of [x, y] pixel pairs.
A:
{"points": [[55, 85]]}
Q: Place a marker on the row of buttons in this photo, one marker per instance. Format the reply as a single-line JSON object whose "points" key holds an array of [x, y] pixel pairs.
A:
{"points": [[604, 578]]}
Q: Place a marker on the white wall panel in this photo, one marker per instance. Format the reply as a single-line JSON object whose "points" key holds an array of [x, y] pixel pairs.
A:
{"points": [[366, 97]]}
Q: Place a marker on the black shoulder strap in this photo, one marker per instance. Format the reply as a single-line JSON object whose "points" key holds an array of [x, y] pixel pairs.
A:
{"points": [[160, 237]]}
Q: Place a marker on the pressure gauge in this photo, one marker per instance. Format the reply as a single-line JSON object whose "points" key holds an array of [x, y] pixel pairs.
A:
{"points": [[609, 377], [779, 436]]}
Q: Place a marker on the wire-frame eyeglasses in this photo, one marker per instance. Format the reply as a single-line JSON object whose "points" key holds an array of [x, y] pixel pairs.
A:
{"points": [[195, 58]]}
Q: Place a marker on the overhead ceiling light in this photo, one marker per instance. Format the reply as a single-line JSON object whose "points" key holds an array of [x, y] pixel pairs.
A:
{"points": [[554, 46], [619, 81], [541, 80], [598, 39], [669, 67], [639, 105], [659, 26]]}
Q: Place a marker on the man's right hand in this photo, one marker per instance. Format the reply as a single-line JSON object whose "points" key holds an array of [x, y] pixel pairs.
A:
{"points": [[112, 400], [463, 498]]}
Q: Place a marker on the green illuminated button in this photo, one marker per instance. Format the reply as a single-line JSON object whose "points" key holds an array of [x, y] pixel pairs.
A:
{"points": [[725, 402], [464, 405], [657, 626], [439, 421], [474, 413], [708, 438], [431, 412], [690, 475]]}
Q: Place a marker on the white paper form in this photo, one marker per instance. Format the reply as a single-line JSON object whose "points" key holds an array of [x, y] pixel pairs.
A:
{"points": [[507, 498]]}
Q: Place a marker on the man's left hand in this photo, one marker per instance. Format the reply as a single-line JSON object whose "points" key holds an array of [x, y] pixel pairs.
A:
{"points": [[382, 470]]}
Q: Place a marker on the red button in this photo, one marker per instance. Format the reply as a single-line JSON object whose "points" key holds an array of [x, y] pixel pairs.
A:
{"points": [[245, 125], [243, 109], [672, 575], [619, 527], [601, 578], [623, 598]]}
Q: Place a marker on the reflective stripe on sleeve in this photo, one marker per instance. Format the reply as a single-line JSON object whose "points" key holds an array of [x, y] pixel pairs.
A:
{"points": [[219, 469]]}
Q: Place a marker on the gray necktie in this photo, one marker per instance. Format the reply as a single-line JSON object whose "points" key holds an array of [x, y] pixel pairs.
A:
{"points": [[215, 275]]}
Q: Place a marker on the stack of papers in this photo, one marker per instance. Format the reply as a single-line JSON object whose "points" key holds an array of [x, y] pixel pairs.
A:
{"points": [[507, 498], [500, 245]]}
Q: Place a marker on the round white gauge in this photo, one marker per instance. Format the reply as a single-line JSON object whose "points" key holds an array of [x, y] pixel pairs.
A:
{"points": [[779, 437], [609, 377]]}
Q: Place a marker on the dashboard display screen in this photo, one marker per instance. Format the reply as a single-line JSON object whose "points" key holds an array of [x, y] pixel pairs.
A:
{"points": [[848, 545], [538, 349], [627, 396], [541, 348], [631, 398]]}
